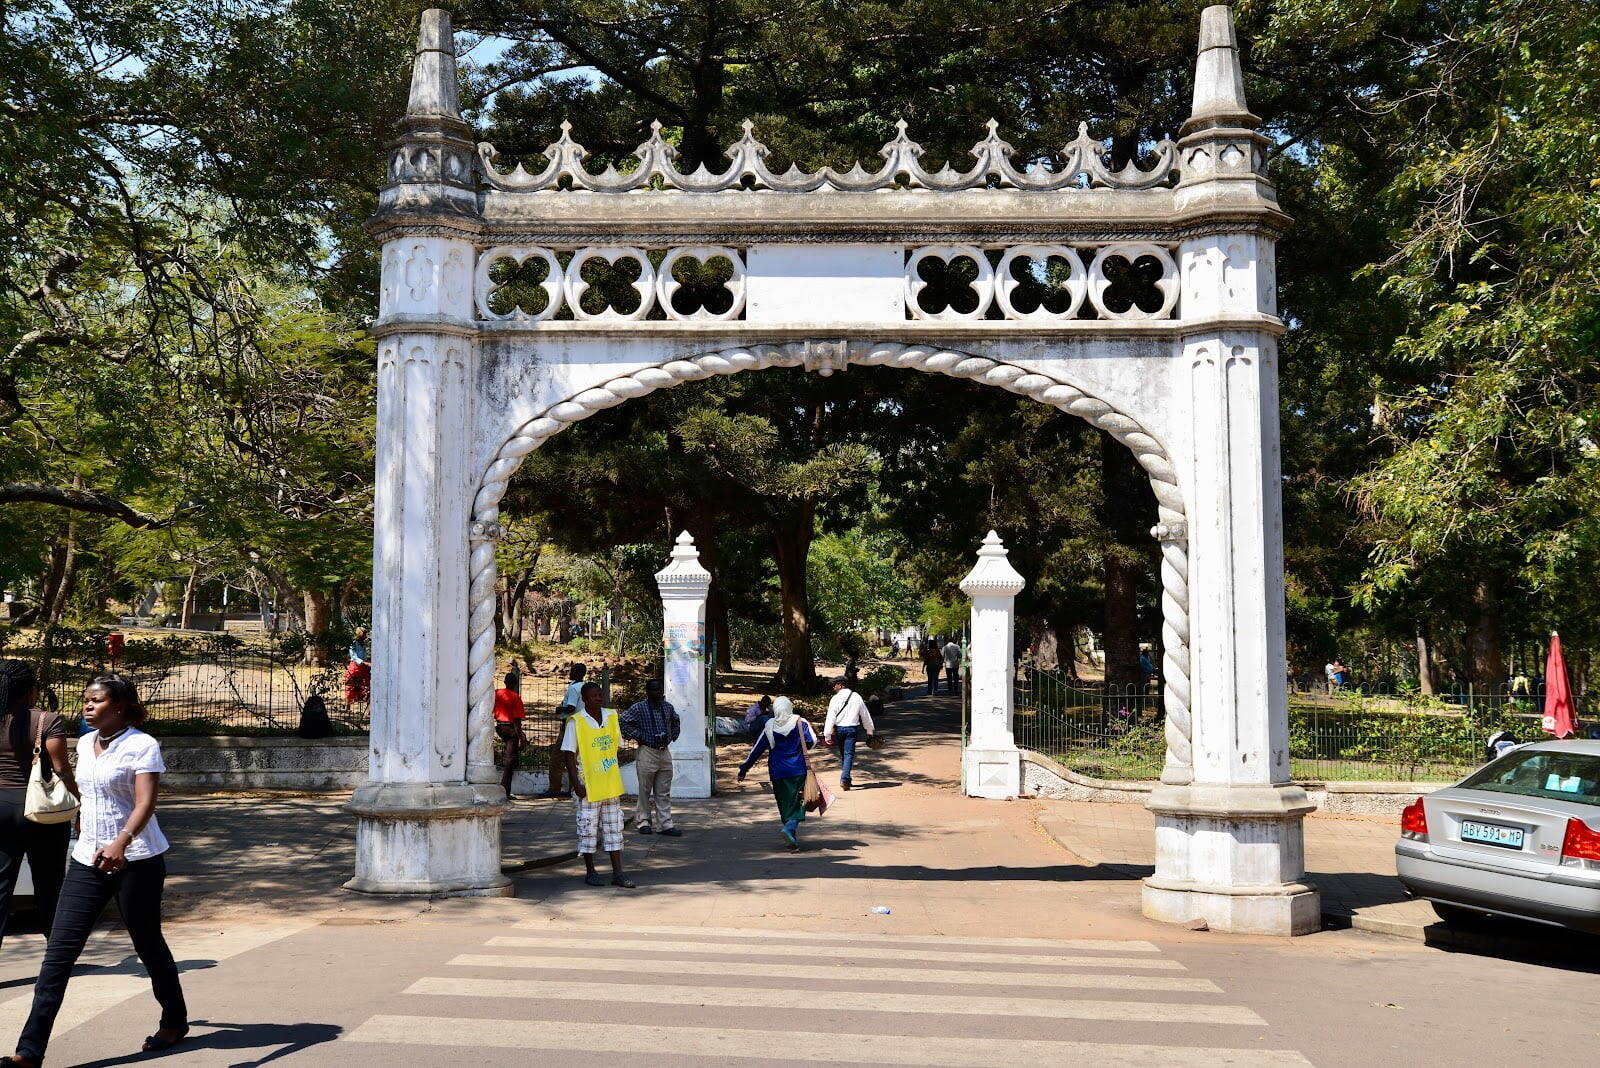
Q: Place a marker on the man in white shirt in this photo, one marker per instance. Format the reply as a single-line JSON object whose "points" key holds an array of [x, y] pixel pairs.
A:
{"points": [[952, 664], [847, 717]]}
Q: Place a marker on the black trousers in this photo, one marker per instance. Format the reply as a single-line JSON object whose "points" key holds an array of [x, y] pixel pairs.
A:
{"points": [[952, 677], [84, 895], [45, 846]]}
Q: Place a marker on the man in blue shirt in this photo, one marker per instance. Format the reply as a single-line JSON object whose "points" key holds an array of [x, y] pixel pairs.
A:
{"points": [[653, 723]]}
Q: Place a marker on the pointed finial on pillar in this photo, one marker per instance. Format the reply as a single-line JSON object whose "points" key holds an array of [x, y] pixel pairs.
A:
{"points": [[1218, 77], [434, 88], [684, 577], [993, 575], [432, 163]]}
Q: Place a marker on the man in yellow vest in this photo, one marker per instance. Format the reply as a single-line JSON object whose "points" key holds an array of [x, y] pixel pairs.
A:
{"points": [[592, 749]]}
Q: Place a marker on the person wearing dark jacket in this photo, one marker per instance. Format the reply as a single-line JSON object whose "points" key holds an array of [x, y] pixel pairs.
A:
{"points": [[785, 740]]}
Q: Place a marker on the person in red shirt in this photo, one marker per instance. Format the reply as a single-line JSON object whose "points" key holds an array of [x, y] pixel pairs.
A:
{"points": [[508, 716]]}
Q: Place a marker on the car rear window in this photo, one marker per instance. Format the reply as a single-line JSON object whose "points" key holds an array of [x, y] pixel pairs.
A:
{"points": [[1558, 776]]}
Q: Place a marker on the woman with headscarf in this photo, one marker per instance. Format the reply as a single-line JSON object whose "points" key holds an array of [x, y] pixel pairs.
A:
{"points": [[785, 740]]}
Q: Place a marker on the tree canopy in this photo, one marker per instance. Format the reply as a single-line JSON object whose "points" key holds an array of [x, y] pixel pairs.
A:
{"points": [[186, 389]]}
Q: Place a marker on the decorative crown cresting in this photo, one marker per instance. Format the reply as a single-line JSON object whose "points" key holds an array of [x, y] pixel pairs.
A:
{"points": [[1079, 164]]}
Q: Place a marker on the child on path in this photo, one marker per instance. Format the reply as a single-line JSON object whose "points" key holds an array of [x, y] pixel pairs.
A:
{"points": [[592, 749]]}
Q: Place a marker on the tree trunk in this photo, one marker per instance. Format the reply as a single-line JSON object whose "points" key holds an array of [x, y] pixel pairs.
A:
{"points": [[1126, 549], [1120, 635], [346, 591], [1424, 666], [186, 608], [791, 545], [704, 530], [1486, 654], [56, 608], [319, 613]]}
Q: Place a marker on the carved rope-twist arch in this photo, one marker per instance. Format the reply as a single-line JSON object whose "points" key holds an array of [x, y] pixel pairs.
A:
{"points": [[1152, 456]]}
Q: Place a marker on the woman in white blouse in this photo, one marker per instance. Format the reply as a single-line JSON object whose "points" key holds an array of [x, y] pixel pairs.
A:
{"points": [[120, 854]]}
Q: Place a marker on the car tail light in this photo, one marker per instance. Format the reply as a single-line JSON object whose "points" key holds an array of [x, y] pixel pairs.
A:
{"points": [[1414, 822], [1581, 846]]}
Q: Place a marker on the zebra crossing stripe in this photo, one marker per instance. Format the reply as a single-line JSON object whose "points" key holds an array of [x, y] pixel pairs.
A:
{"points": [[841, 973], [559, 1036], [702, 994], [757, 949], [1096, 944]]}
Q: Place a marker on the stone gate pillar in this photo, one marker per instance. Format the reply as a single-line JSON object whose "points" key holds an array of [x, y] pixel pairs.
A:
{"points": [[1228, 841], [424, 824], [991, 763], [684, 584]]}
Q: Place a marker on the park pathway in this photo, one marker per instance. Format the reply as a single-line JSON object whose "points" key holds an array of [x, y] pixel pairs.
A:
{"points": [[802, 997]]}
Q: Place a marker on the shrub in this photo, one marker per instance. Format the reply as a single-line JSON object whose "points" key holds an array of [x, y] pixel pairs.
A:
{"points": [[880, 679]]}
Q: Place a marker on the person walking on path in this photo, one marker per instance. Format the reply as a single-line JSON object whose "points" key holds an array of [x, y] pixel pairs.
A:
{"points": [[571, 701], [26, 732], [931, 663], [358, 675], [509, 712], [653, 723], [591, 745], [121, 854], [952, 665], [784, 740], [847, 718]]}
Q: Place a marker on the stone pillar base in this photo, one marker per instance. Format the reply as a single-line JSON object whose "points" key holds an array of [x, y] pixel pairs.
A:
{"points": [[433, 839], [994, 773], [1232, 856], [692, 772]]}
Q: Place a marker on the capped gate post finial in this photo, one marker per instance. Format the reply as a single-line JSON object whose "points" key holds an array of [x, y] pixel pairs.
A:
{"points": [[434, 89], [1218, 77]]}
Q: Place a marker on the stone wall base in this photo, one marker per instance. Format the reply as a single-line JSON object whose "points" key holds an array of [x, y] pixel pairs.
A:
{"points": [[1044, 777], [993, 773], [428, 839], [1289, 910], [691, 773], [1233, 856]]}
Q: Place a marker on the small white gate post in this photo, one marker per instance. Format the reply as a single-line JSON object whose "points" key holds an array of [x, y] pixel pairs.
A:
{"points": [[992, 764], [684, 584]]}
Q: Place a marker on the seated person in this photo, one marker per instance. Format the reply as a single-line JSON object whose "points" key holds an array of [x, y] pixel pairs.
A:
{"points": [[756, 716]]}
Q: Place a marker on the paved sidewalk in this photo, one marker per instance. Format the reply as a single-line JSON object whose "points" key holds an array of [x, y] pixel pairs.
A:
{"points": [[293, 852], [1350, 859]]}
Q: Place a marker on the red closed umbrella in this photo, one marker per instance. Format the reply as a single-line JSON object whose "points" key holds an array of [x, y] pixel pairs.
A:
{"points": [[1558, 718]]}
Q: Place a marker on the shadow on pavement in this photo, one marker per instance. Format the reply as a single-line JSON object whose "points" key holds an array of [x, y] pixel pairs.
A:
{"points": [[129, 965], [271, 1040], [1521, 941]]}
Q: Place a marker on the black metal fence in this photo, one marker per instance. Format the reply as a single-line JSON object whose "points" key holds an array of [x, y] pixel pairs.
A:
{"points": [[242, 690], [1118, 733]]}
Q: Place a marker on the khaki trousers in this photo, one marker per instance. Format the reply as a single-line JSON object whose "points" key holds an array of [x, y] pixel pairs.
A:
{"points": [[655, 788]]}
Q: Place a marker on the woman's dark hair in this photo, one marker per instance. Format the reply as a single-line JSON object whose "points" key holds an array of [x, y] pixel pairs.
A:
{"points": [[122, 692], [17, 681]]}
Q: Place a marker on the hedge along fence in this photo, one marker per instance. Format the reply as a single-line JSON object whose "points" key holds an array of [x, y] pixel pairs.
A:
{"points": [[1117, 734]]}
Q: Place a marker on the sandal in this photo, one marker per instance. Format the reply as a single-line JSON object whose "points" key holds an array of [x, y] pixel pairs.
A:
{"points": [[594, 880], [625, 883], [156, 1044]]}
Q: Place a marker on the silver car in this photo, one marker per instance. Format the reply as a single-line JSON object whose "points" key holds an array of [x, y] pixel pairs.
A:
{"points": [[1518, 837]]}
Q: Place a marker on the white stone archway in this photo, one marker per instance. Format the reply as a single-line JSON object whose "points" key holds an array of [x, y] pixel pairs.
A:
{"points": [[828, 270]]}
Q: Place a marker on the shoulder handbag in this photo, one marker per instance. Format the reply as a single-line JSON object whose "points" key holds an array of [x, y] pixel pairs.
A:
{"points": [[814, 795], [46, 801]]}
